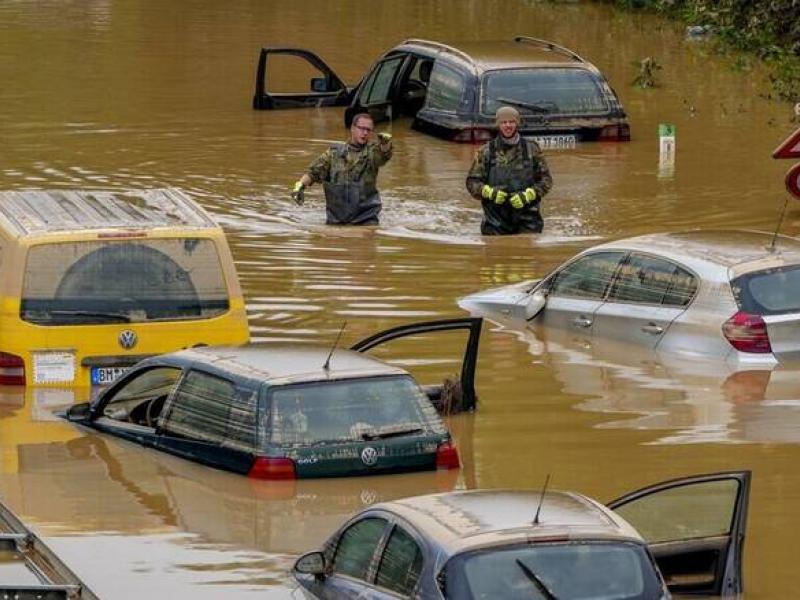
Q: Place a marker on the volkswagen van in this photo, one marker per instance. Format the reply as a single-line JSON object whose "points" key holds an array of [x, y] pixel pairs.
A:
{"points": [[92, 282]]}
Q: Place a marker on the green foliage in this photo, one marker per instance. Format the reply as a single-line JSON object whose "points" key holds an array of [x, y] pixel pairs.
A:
{"points": [[768, 29]]}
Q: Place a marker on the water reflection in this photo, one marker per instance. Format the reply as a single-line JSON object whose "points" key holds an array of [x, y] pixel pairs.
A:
{"points": [[687, 400]]}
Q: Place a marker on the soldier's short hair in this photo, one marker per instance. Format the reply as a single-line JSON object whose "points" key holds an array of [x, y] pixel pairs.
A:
{"points": [[360, 116]]}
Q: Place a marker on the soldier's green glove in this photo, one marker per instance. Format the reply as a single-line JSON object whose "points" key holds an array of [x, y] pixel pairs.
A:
{"points": [[299, 193], [530, 195], [385, 138], [517, 201]]}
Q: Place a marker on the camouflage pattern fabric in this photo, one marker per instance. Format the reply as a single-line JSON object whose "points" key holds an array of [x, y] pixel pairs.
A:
{"points": [[512, 168]]}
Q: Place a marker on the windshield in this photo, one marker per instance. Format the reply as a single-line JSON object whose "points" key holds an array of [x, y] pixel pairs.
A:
{"points": [[543, 91], [770, 292], [566, 571], [350, 410], [123, 282]]}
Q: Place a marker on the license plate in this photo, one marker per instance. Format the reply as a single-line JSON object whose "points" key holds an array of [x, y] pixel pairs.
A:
{"points": [[556, 142], [106, 375]]}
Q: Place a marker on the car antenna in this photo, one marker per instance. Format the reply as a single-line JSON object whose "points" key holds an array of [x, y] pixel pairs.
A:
{"points": [[780, 220], [541, 500], [327, 364]]}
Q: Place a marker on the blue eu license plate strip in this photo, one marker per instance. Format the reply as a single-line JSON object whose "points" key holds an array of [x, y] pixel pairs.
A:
{"points": [[106, 375]]}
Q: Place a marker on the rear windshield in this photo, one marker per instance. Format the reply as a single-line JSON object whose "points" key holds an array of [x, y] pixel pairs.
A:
{"points": [[578, 571], [349, 410], [123, 282], [543, 91], [770, 292]]}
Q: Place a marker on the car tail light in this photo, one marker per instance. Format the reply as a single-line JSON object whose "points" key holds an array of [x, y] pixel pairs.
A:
{"points": [[615, 133], [12, 369], [265, 467], [473, 135], [447, 456], [747, 333]]}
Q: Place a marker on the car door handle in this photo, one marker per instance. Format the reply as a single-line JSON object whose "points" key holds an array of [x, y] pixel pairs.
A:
{"points": [[653, 329], [582, 322]]}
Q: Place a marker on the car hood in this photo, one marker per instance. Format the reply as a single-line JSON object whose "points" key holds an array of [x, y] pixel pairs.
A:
{"points": [[494, 299]]}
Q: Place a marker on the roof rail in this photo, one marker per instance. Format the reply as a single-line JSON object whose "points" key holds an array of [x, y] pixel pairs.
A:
{"points": [[439, 46], [549, 45]]}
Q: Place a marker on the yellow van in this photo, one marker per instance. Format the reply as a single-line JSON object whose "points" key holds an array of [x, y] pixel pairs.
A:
{"points": [[93, 281]]}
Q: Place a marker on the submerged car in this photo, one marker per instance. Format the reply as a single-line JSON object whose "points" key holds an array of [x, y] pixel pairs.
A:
{"points": [[684, 535], [95, 281], [453, 92], [286, 411], [731, 295]]}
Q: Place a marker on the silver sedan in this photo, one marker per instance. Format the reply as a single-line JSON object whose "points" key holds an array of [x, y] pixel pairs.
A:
{"points": [[733, 295]]}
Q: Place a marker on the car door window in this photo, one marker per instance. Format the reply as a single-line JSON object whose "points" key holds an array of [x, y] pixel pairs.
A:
{"points": [[446, 88], [357, 546], [201, 408], [587, 277], [648, 280], [141, 397], [379, 84], [700, 510], [400, 564]]}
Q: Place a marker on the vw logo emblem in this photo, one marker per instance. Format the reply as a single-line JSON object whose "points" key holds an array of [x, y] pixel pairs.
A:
{"points": [[369, 456], [127, 339]]}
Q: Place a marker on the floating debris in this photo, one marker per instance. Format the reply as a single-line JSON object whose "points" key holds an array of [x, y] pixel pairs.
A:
{"points": [[647, 73]]}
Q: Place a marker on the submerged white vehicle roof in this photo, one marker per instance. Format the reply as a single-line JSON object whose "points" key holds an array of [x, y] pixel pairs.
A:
{"points": [[32, 212]]}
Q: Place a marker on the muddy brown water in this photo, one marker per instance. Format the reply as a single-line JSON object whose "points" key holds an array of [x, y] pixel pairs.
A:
{"points": [[145, 93]]}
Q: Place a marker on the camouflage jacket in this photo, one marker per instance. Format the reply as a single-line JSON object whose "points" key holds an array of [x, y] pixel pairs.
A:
{"points": [[511, 160], [345, 162]]}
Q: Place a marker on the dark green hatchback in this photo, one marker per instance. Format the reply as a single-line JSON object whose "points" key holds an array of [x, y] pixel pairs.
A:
{"points": [[286, 411]]}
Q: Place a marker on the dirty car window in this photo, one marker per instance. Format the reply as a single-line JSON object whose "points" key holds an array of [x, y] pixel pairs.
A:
{"points": [[445, 89], [119, 282], [769, 292], [578, 571], [349, 410], [587, 277], [543, 90]]}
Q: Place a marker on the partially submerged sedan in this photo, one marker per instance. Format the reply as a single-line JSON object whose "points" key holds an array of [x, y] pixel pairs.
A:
{"points": [[286, 411], [732, 295], [453, 92], [684, 535]]}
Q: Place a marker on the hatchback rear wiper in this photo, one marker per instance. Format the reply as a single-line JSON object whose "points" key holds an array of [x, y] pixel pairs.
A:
{"points": [[537, 581], [390, 433], [537, 107], [108, 316]]}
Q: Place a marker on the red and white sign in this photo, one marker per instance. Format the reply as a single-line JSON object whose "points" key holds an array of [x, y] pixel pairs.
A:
{"points": [[790, 148], [793, 181]]}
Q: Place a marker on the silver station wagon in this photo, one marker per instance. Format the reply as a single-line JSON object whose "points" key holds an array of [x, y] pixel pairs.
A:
{"points": [[683, 536], [732, 295]]}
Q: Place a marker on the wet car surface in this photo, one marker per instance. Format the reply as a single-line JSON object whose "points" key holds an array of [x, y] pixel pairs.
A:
{"points": [[729, 295], [514, 544], [453, 92], [283, 412]]}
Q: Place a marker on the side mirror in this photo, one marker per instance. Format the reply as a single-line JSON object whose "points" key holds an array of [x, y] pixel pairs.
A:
{"points": [[535, 303], [78, 412], [319, 84], [311, 563]]}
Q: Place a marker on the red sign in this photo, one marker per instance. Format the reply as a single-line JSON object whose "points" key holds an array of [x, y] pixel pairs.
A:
{"points": [[790, 148], [793, 181]]}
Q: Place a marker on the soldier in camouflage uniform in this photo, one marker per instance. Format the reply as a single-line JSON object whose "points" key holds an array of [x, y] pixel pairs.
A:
{"points": [[348, 173], [509, 176]]}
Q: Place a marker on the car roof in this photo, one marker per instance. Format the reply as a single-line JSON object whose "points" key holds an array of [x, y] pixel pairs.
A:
{"points": [[468, 520], [504, 54], [739, 251], [29, 212], [278, 364]]}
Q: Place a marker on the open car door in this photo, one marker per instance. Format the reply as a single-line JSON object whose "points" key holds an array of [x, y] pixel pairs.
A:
{"points": [[695, 529], [325, 90], [467, 379]]}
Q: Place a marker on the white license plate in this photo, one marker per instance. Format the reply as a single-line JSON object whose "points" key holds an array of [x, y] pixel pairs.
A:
{"points": [[106, 375], [551, 142]]}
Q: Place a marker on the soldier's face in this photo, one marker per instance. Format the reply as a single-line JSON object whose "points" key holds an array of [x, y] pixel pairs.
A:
{"points": [[361, 130], [508, 127]]}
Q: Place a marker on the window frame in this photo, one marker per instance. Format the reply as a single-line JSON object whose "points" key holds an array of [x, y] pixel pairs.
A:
{"points": [[552, 279], [654, 257], [377, 552], [365, 93], [395, 525]]}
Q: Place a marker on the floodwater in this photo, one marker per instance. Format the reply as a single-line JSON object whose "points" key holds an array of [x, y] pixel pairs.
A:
{"points": [[144, 93]]}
